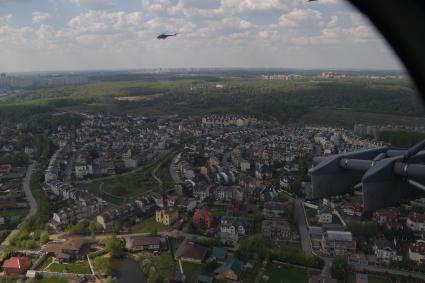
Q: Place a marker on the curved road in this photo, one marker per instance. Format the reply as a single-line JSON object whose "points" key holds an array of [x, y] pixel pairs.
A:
{"points": [[28, 194]]}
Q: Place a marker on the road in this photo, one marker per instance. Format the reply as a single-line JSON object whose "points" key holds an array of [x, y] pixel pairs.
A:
{"points": [[383, 270], [302, 227], [172, 234], [173, 172], [26, 185]]}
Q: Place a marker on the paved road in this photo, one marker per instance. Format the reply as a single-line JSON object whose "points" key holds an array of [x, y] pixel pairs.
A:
{"points": [[302, 227], [26, 185], [173, 172], [173, 234], [27, 190], [373, 268]]}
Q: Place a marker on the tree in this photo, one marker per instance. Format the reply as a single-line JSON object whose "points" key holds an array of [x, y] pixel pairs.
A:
{"points": [[103, 264], [111, 279], [253, 245], [113, 246], [92, 229], [340, 267], [44, 237]]}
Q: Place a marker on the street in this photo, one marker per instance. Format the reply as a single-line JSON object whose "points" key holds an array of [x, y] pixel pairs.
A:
{"points": [[302, 227]]}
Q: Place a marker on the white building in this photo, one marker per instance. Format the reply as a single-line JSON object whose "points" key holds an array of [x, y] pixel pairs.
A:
{"points": [[416, 221]]}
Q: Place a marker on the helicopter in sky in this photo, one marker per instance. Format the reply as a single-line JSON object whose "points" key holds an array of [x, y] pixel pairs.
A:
{"points": [[165, 35]]}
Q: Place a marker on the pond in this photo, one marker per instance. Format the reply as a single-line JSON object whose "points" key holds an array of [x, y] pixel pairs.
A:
{"points": [[128, 271]]}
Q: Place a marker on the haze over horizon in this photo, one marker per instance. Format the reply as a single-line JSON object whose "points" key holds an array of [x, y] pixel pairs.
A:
{"points": [[106, 34]]}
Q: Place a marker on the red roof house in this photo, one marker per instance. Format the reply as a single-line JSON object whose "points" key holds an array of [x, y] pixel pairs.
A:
{"points": [[203, 215], [16, 265]]}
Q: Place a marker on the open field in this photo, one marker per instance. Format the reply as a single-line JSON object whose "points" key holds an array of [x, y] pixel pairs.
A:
{"points": [[148, 226], [123, 188], [277, 272], [78, 268]]}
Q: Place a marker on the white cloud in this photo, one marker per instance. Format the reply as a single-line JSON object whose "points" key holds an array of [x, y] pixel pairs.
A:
{"points": [[4, 20], [94, 4], [39, 17], [300, 17], [252, 5]]}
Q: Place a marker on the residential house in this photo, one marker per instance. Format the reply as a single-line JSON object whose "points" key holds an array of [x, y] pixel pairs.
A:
{"points": [[142, 243], [386, 251], [416, 221], [190, 252], [324, 215], [167, 216], [276, 230], [263, 171], [5, 169], [231, 269], [203, 216], [274, 209], [66, 251], [219, 254], [338, 243], [417, 251], [16, 265], [231, 228], [388, 218], [352, 209]]}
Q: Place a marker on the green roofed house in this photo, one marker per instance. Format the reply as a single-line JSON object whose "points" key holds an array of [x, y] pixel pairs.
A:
{"points": [[231, 269], [219, 253], [205, 279]]}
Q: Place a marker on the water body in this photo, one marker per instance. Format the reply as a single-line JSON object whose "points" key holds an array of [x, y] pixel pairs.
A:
{"points": [[128, 271]]}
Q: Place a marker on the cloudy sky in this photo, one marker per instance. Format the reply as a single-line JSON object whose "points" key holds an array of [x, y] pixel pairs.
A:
{"points": [[119, 34]]}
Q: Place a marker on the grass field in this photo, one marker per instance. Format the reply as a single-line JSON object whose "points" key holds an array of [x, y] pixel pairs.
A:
{"points": [[251, 273], [279, 273], [51, 280], [192, 270], [149, 226], [164, 264], [123, 188], [78, 268], [372, 279]]}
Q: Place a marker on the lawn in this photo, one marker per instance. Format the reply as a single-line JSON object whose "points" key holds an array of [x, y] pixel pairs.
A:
{"points": [[290, 245], [192, 270], [279, 273], [78, 268], [218, 211], [372, 279], [51, 280], [164, 264], [251, 273], [123, 188], [149, 226], [46, 262]]}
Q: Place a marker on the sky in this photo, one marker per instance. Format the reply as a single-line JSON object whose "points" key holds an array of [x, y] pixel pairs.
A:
{"points": [[43, 35]]}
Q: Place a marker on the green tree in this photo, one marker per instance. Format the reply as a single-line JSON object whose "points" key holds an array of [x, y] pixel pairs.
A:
{"points": [[44, 237], [111, 279], [113, 245], [103, 264], [92, 229], [340, 267]]}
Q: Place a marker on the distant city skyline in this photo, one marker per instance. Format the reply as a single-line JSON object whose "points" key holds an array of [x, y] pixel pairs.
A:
{"points": [[110, 35]]}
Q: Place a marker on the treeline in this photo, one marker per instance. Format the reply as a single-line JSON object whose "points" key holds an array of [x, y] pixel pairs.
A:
{"points": [[401, 138]]}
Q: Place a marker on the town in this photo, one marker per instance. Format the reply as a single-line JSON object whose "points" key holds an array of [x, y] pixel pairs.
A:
{"points": [[209, 198]]}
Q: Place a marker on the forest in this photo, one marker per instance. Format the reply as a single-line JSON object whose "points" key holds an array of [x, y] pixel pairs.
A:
{"points": [[284, 101]]}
